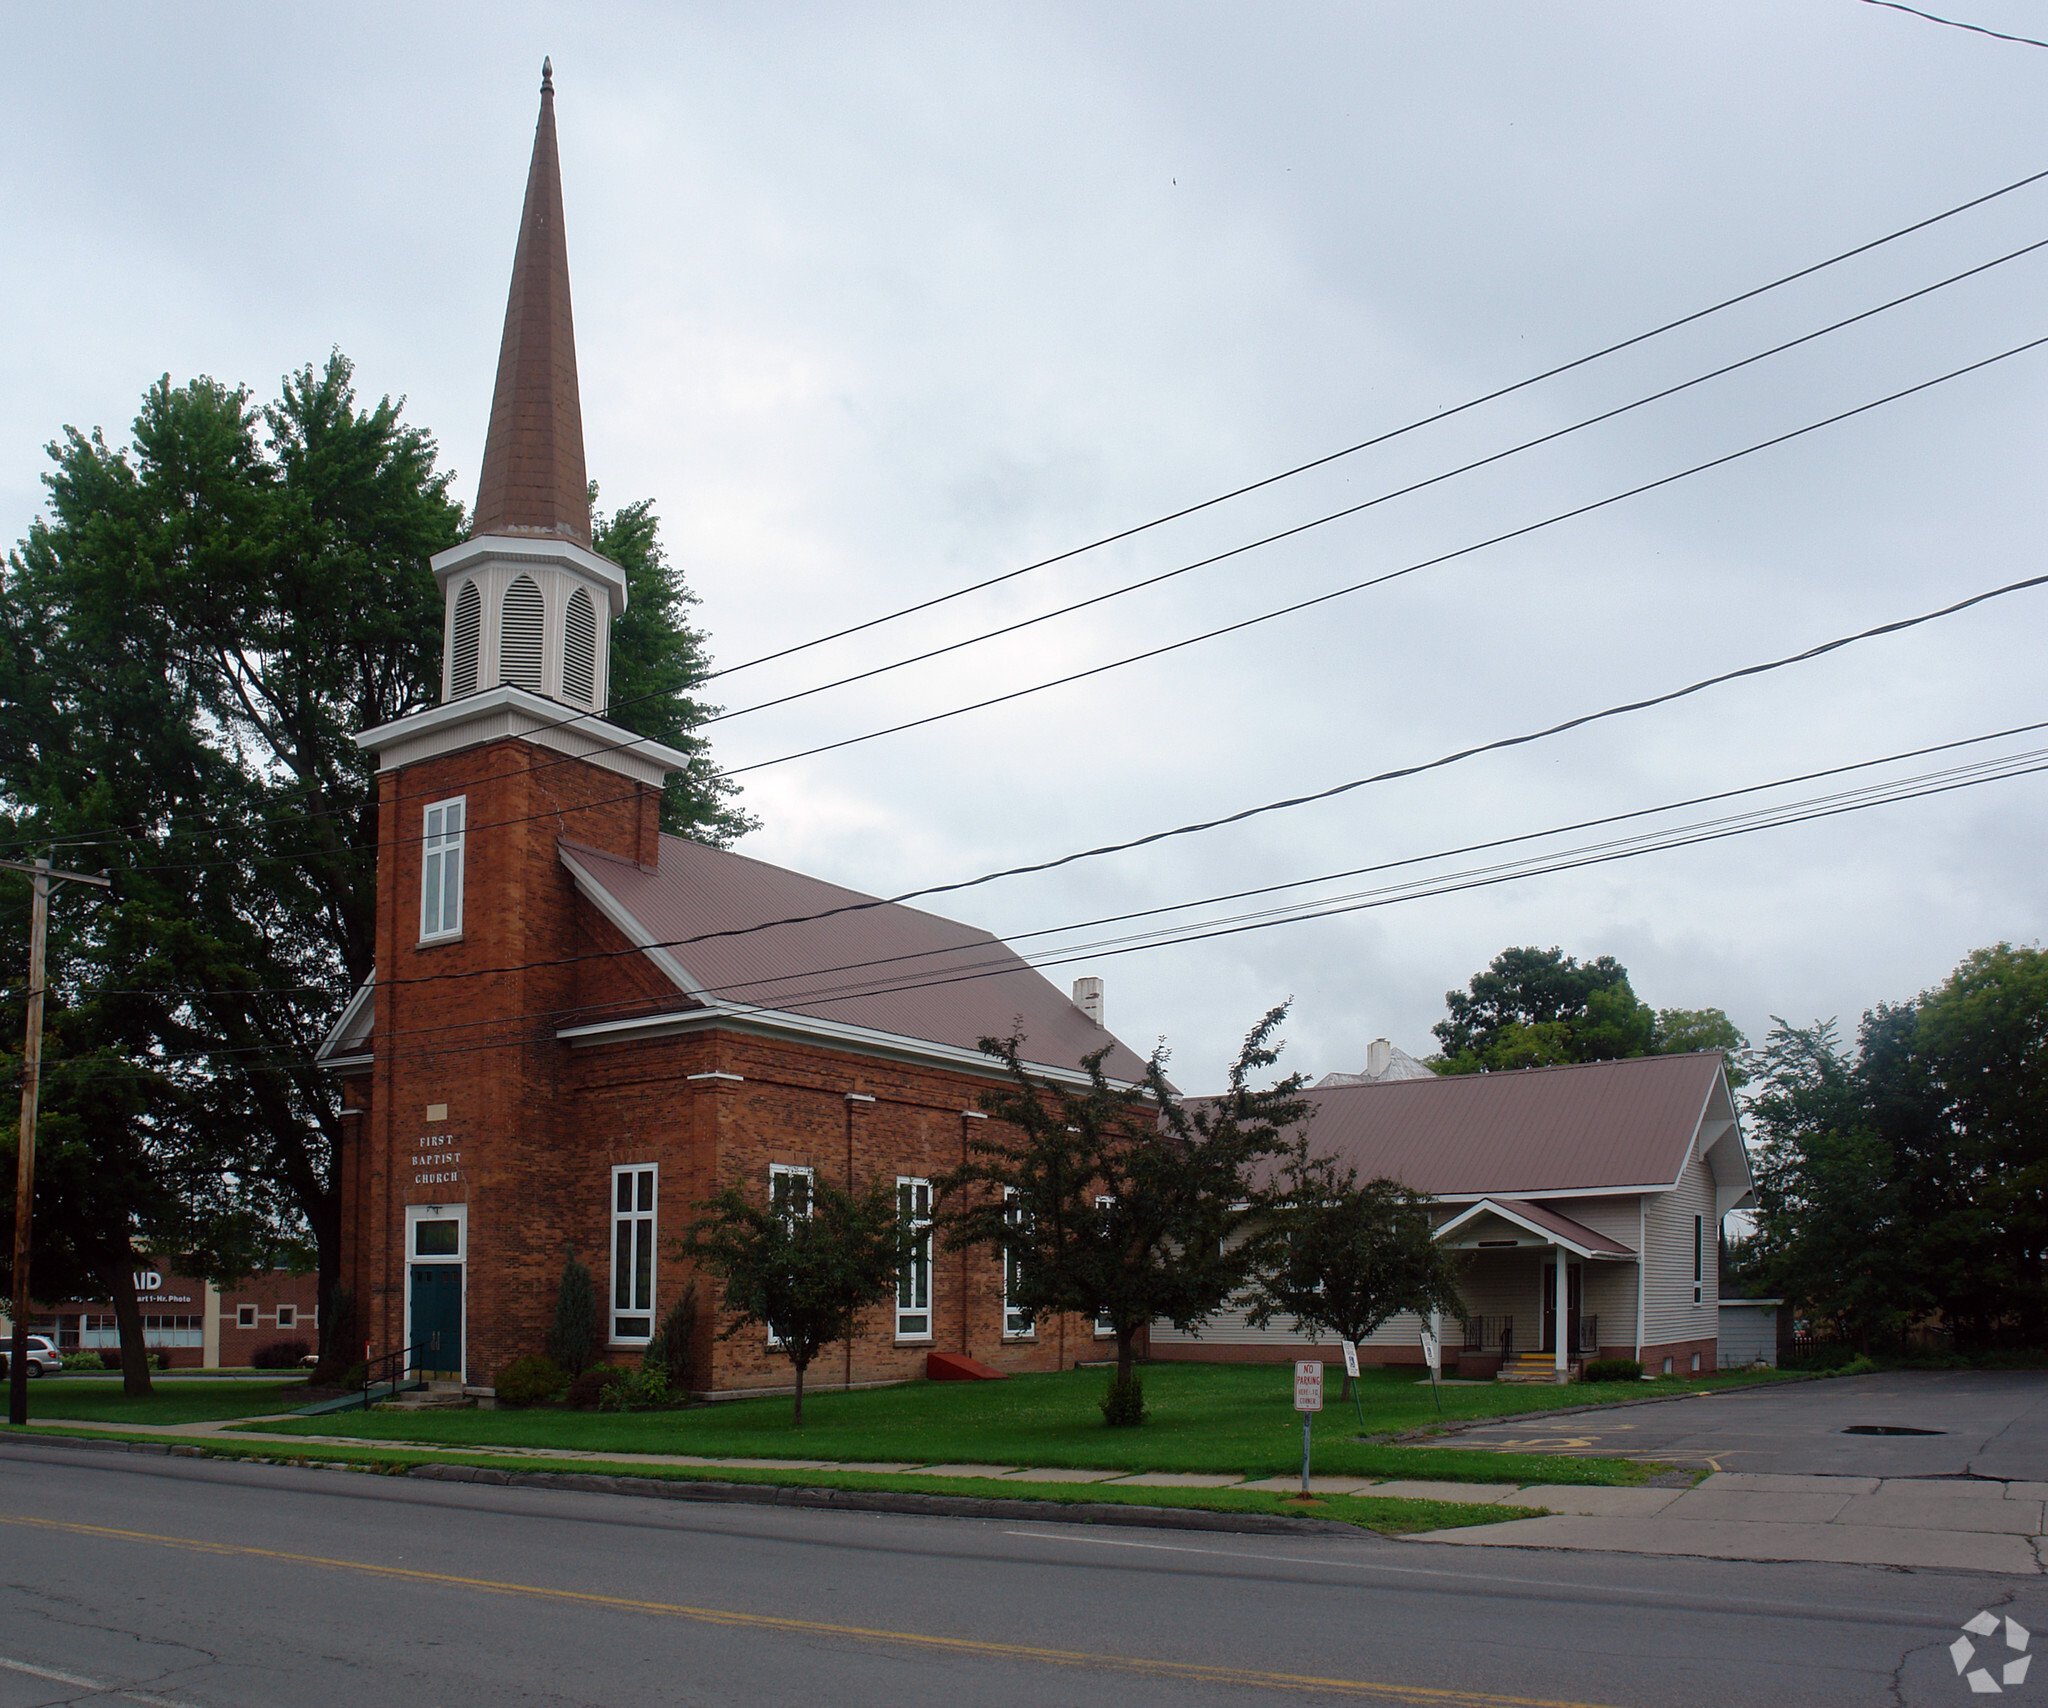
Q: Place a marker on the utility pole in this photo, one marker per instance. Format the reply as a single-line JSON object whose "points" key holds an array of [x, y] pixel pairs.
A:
{"points": [[31, 1087]]}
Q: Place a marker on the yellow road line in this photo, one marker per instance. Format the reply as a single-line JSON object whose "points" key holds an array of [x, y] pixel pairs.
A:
{"points": [[1189, 1670]]}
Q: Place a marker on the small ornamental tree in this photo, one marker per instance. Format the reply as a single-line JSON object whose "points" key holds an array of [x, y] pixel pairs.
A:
{"points": [[572, 1342], [1342, 1256], [802, 1266], [1126, 1203]]}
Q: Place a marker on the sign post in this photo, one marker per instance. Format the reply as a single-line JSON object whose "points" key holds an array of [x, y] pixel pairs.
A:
{"points": [[1308, 1400], [1432, 1355], [1351, 1371]]}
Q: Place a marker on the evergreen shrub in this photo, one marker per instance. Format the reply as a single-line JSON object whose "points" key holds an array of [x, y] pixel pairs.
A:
{"points": [[588, 1389], [572, 1342], [1613, 1370], [279, 1355], [635, 1390], [1124, 1404], [670, 1347], [531, 1381]]}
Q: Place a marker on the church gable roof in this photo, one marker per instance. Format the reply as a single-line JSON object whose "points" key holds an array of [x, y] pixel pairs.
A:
{"points": [[884, 969], [1535, 1133]]}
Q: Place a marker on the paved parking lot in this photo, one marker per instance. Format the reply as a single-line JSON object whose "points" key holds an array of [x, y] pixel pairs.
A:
{"points": [[1982, 1423]]}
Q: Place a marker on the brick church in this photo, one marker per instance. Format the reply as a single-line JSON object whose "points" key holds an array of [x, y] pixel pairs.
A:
{"points": [[580, 1027]]}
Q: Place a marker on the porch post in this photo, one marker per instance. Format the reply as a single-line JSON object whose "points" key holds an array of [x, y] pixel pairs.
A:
{"points": [[1563, 1324]]}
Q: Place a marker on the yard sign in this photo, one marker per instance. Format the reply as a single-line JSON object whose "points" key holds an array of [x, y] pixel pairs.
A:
{"points": [[1308, 1400]]}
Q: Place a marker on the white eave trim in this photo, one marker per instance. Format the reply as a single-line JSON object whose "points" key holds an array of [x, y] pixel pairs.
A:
{"points": [[344, 1032], [533, 549], [507, 712], [633, 931], [1548, 1236], [780, 1023], [1542, 1194]]}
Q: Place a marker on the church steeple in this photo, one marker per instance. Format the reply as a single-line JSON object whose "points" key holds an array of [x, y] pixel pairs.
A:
{"points": [[533, 476]]}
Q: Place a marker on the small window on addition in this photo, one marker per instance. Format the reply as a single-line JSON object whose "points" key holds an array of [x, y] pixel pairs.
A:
{"points": [[287, 1316], [1667, 1366], [1695, 1362], [245, 1316]]}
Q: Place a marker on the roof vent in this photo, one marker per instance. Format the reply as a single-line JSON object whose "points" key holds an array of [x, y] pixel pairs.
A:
{"points": [[519, 639], [1088, 998]]}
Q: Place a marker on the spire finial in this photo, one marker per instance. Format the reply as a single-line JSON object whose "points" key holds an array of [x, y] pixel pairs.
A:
{"points": [[547, 76]]}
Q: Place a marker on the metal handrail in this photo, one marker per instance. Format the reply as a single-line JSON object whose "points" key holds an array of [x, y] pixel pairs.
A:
{"points": [[398, 1366]]}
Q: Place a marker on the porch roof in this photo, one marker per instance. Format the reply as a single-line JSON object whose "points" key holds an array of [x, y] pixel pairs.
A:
{"points": [[1545, 1226]]}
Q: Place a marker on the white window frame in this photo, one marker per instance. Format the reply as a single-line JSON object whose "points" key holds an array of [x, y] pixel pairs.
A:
{"points": [[636, 1225], [791, 1171], [1016, 1325], [916, 1320], [441, 863], [287, 1316], [1699, 1224], [246, 1316]]}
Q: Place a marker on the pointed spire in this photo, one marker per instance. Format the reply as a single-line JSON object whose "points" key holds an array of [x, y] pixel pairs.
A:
{"points": [[533, 479]]}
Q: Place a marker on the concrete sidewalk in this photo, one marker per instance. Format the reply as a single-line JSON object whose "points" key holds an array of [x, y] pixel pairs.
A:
{"points": [[1957, 1523]]}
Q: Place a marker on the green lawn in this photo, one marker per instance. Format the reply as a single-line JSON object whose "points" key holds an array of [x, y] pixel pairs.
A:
{"points": [[93, 1399], [1205, 1417]]}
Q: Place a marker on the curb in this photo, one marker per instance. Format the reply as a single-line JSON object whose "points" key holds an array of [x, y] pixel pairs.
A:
{"points": [[903, 1503], [1422, 1437]]}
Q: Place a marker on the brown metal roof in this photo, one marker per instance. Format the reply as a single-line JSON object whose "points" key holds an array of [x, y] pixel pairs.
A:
{"points": [[886, 968], [533, 480], [1538, 1132]]}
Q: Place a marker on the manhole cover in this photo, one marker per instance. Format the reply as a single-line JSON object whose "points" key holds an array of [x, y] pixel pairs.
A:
{"points": [[1889, 1429]]}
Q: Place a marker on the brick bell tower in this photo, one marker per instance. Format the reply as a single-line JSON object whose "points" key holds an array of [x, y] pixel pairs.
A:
{"points": [[449, 1054]]}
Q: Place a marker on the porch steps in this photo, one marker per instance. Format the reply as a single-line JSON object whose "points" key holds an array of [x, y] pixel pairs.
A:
{"points": [[1532, 1367]]}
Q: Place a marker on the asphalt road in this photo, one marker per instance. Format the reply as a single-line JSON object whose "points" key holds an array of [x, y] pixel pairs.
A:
{"points": [[1982, 1423], [207, 1584]]}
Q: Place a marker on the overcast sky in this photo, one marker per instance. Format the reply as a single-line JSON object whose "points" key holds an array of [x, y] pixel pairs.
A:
{"points": [[878, 301]]}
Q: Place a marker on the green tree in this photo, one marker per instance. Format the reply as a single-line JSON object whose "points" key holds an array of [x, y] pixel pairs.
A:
{"points": [[189, 640], [573, 1340], [1344, 1255], [803, 1266], [1542, 1008], [1127, 1203]]}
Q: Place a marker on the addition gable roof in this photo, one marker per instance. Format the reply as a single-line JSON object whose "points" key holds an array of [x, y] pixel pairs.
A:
{"points": [[1599, 1127], [872, 973], [1547, 1227]]}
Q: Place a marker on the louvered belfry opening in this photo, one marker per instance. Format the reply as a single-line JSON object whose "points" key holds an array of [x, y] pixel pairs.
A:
{"points": [[466, 641], [519, 634], [579, 650]]}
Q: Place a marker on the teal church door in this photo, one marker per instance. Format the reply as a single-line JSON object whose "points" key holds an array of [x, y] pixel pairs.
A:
{"points": [[436, 1337]]}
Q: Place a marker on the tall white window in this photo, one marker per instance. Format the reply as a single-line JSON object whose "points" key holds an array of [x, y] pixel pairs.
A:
{"points": [[441, 871], [633, 1192], [914, 1282], [1699, 1229], [789, 1196], [1017, 1322]]}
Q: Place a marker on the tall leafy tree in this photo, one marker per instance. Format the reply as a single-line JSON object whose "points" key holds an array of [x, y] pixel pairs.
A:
{"points": [[803, 1266], [1343, 1255], [1542, 1008], [1127, 1203], [189, 640]]}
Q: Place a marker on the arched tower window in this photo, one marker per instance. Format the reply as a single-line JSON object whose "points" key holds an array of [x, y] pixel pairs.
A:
{"points": [[579, 649], [519, 637], [468, 633]]}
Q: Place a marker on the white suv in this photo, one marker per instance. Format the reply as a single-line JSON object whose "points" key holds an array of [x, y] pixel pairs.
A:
{"points": [[43, 1358]]}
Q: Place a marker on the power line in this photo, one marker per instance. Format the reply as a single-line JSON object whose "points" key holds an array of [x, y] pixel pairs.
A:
{"points": [[1675, 837], [1955, 23], [1392, 575], [1751, 294], [1385, 497], [1399, 432]]}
